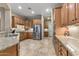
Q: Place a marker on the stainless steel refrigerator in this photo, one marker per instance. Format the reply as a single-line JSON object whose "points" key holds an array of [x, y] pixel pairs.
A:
{"points": [[37, 32]]}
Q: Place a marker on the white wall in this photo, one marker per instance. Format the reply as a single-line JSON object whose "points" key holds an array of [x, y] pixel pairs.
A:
{"points": [[51, 25], [2, 23], [5, 23], [52, 20], [7, 20], [42, 21], [50, 29]]}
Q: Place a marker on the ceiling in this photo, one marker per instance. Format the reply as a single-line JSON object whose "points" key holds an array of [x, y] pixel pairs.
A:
{"points": [[38, 8], [4, 5]]}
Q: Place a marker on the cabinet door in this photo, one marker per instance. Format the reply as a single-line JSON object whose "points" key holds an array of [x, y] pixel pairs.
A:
{"points": [[64, 14], [36, 21], [64, 51], [29, 24], [29, 36], [77, 12], [71, 9], [57, 13], [45, 34]]}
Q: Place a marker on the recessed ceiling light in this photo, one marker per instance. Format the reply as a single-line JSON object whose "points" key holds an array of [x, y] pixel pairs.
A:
{"points": [[33, 12], [19, 7], [47, 10]]}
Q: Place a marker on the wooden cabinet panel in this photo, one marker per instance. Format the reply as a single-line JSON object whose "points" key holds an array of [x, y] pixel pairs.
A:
{"points": [[17, 20], [29, 35], [77, 13], [25, 35], [71, 12], [36, 21], [64, 14], [45, 34], [57, 13], [12, 51], [59, 48], [28, 24]]}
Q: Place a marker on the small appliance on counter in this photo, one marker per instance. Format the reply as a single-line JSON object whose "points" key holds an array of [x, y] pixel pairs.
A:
{"points": [[37, 32]]}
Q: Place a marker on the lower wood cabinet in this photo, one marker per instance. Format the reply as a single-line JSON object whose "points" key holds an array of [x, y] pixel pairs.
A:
{"points": [[29, 35], [11, 51], [59, 48], [45, 34], [25, 35]]}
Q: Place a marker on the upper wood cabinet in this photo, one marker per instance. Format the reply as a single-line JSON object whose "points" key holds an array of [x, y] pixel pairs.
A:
{"points": [[28, 23], [36, 21], [71, 13], [57, 13], [17, 20], [64, 14], [77, 12]]}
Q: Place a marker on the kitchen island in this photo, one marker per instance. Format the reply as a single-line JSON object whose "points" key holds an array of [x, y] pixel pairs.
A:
{"points": [[9, 45]]}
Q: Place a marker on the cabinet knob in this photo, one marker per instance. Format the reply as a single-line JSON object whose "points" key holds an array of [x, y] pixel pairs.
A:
{"points": [[75, 18], [72, 20]]}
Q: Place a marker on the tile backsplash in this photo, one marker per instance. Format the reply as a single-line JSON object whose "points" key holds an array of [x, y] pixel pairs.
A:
{"points": [[61, 30], [74, 31]]}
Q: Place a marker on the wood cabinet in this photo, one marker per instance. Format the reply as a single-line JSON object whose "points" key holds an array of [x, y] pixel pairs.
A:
{"points": [[25, 35], [28, 24], [11, 51], [29, 35], [59, 48], [77, 13], [36, 21], [68, 14], [16, 20], [57, 13], [64, 15], [71, 13], [45, 34], [62, 50]]}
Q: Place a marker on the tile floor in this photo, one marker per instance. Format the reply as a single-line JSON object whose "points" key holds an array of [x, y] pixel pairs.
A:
{"points": [[42, 47]]}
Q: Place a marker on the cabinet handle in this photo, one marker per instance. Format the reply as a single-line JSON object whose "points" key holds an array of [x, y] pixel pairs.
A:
{"points": [[75, 18], [72, 20]]}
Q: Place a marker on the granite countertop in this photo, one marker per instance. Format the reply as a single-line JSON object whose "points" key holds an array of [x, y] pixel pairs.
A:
{"points": [[24, 31], [19, 30], [9, 41], [70, 43]]}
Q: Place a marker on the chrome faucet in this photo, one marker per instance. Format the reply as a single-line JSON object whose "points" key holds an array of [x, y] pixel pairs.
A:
{"points": [[66, 33]]}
